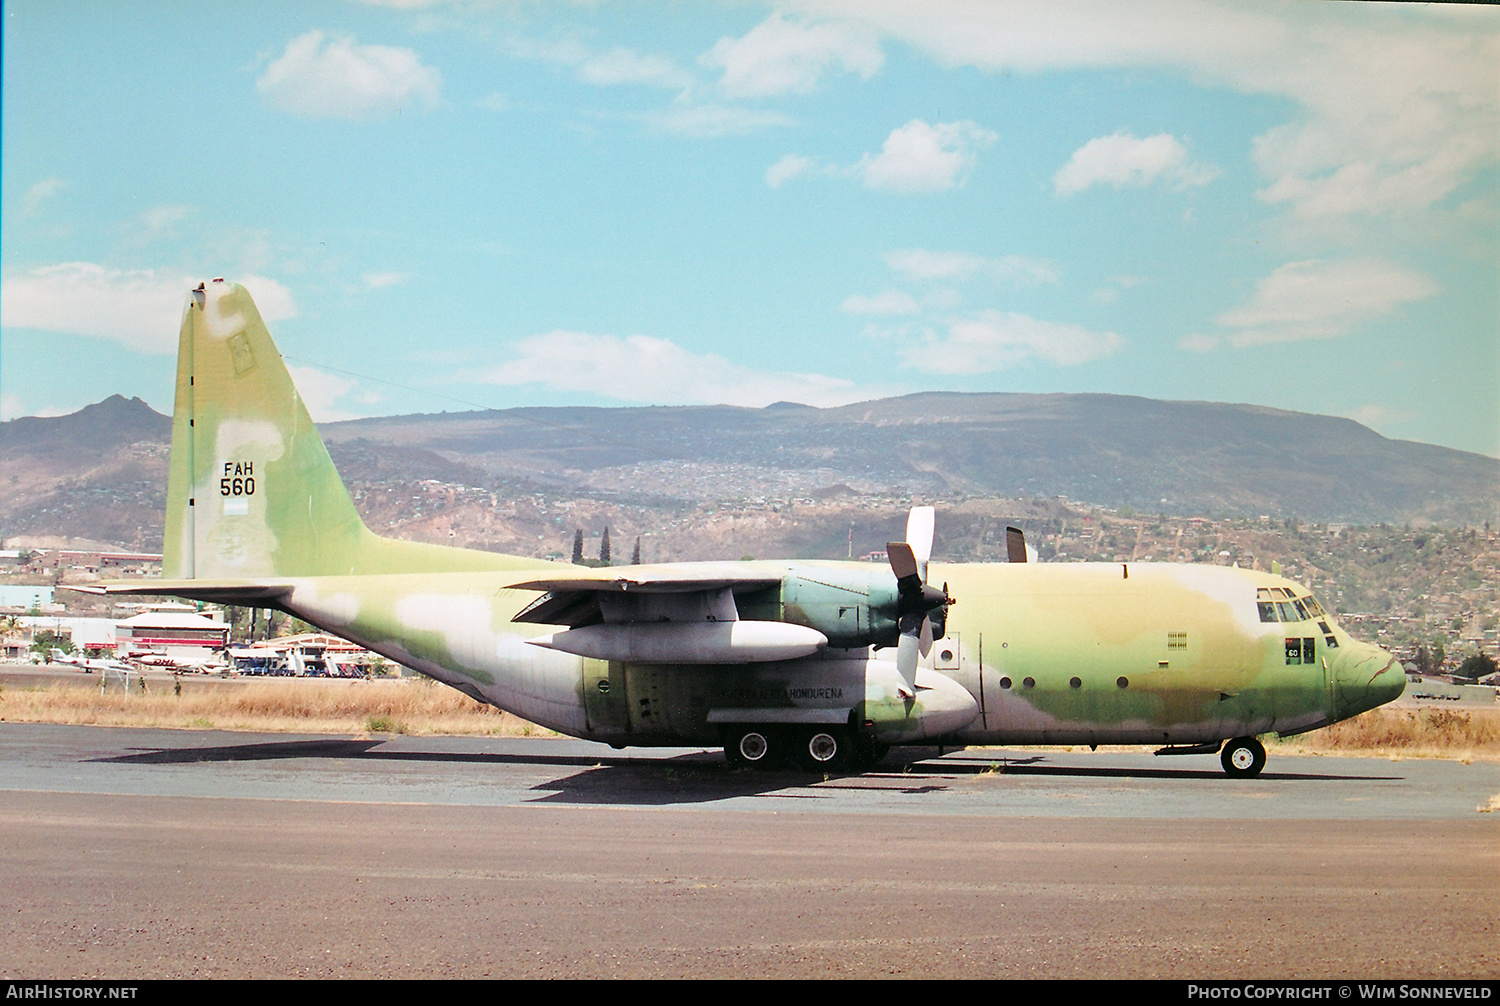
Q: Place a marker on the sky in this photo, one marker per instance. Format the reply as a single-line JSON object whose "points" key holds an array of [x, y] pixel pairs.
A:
{"points": [[455, 204]]}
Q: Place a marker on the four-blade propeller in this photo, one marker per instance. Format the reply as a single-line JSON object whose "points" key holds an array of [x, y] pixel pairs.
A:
{"points": [[922, 610]]}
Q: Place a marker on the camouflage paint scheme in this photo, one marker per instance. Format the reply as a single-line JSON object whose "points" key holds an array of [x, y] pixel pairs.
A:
{"points": [[1034, 653]]}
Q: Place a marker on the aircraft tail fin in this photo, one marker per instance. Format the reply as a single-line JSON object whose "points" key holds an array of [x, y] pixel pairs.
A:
{"points": [[252, 491]]}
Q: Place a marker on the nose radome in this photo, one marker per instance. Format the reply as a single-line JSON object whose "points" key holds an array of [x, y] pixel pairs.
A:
{"points": [[1367, 677]]}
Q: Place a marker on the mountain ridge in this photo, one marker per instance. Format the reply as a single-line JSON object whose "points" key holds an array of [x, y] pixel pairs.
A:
{"points": [[102, 470]]}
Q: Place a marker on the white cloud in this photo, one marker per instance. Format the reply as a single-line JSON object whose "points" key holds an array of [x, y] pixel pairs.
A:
{"points": [[1198, 343], [1122, 159], [1377, 417], [626, 66], [31, 203], [376, 280], [1397, 105], [335, 78], [1117, 285], [613, 67], [779, 56], [322, 392], [714, 120], [889, 302], [787, 168], [640, 368], [140, 308], [923, 264], [156, 223], [1321, 300], [918, 157], [999, 340], [272, 300]]}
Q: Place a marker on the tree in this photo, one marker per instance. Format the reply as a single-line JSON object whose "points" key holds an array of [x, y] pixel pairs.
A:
{"points": [[1430, 661], [635, 557], [578, 547], [1476, 666], [45, 641], [604, 547]]}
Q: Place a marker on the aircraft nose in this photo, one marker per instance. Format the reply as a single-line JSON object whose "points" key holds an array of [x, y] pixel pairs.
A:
{"points": [[1367, 676]]}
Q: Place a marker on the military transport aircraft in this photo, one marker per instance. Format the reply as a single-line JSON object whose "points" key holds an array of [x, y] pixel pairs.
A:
{"points": [[824, 663]]}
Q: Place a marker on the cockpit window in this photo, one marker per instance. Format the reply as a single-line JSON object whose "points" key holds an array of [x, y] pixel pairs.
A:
{"points": [[1278, 604]]}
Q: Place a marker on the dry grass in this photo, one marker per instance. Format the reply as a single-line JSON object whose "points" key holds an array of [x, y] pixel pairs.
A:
{"points": [[405, 706], [419, 706], [1423, 732]]}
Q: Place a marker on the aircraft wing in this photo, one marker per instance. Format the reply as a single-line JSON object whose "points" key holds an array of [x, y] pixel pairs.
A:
{"points": [[578, 598], [673, 578]]}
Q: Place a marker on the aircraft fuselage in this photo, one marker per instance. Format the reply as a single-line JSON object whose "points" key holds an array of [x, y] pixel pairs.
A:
{"points": [[1136, 653]]}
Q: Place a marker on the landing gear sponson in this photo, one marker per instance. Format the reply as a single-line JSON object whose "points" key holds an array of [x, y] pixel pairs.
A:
{"points": [[816, 748]]}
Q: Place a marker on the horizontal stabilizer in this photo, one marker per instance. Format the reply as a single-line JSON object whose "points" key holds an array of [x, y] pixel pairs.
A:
{"points": [[242, 592]]}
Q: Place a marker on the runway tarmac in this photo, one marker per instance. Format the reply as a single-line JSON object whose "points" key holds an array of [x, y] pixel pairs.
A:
{"points": [[146, 853]]}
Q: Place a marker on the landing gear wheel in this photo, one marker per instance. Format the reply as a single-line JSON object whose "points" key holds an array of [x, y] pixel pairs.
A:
{"points": [[749, 747], [1243, 757], [825, 749]]}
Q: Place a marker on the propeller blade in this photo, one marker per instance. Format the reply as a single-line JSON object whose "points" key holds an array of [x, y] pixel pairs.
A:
{"points": [[903, 562], [919, 525], [1015, 544], [906, 663], [922, 610]]}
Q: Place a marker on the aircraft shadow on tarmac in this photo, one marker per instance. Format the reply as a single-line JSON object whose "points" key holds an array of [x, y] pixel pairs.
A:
{"points": [[704, 775]]}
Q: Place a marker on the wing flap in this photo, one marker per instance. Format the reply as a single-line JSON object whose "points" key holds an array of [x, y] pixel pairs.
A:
{"points": [[581, 598], [672, 579], [567, 607]]}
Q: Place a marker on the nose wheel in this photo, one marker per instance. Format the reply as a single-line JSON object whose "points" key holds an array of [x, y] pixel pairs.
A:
{"points": [[1243, 756]]}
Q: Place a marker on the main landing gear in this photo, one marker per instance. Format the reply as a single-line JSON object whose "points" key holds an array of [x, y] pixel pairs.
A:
{"points": [[1243, 756], [818, 748]]}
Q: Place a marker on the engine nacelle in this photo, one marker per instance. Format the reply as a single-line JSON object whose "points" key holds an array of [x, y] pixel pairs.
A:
{"points": [[739, 642], [852, 607]]}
